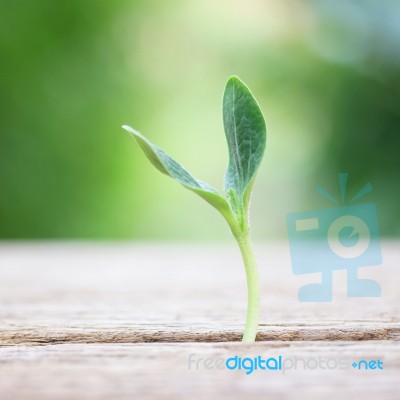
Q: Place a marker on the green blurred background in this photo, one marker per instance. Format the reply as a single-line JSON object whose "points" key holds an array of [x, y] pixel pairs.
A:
{"points": [[326, 74]]}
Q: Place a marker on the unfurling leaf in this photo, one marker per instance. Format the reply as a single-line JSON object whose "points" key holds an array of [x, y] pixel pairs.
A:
{"points": [[246, 136]]}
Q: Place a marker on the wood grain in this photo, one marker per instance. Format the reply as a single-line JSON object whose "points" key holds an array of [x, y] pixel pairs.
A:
{"points": [[120, 320]]}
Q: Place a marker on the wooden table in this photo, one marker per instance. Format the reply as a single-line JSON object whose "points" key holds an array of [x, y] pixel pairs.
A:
{"points": [[152, 321]]}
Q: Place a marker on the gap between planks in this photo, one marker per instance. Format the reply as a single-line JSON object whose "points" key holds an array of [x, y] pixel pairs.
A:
{"points": [[175, 334]]}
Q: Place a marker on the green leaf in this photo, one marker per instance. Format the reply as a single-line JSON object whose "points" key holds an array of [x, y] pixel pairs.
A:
{"points": [[246, 136], [168, 166]]}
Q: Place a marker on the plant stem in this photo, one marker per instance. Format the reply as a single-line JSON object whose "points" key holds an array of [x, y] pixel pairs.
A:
{"points": [[253, 285]]}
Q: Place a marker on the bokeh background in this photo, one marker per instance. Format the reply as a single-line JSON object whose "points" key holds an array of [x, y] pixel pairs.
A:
{"points": [[326, 74]]}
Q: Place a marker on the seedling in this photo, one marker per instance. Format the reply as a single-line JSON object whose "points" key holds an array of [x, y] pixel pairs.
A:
{"points": [[246, 136]]}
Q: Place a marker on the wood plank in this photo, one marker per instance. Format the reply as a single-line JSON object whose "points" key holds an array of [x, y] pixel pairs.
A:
{"points": [[131, 293], [161, 371]]}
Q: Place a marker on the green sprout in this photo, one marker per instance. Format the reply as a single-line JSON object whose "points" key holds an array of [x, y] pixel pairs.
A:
{"points": [[246, 136]]}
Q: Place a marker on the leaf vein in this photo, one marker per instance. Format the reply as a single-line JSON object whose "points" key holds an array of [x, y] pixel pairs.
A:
{"points": [[235, 143]]}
